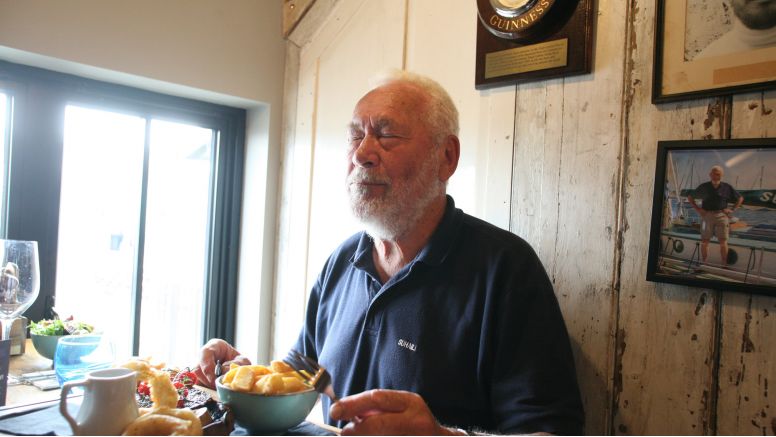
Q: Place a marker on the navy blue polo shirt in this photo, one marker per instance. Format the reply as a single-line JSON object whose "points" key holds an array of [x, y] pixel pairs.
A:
{"points": [[471, 324], [716, 199]]}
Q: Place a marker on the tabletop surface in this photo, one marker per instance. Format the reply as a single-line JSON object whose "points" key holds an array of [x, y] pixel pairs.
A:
{"points": [[22, 394], [26, 399]]}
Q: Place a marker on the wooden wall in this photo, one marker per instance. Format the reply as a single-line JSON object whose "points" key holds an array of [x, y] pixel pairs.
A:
{"points": [[651, 358]]}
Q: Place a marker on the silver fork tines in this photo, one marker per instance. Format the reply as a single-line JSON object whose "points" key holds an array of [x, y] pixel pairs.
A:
{"points": [[316, 375]]}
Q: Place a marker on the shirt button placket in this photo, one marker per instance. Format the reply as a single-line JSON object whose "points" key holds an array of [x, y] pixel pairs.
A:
{"points": [[372, 320]]}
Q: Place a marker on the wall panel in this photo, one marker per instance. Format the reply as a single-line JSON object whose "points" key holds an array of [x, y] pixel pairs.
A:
{"points": [[748, 351], [665, 341], [290, 280], [565, 185]]}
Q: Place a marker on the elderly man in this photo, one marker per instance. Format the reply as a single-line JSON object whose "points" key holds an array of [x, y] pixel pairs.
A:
{"points": [[714, 211], [431, 321]]}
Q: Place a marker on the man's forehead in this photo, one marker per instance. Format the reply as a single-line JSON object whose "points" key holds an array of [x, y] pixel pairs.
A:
{"points": [[392, 97], [359, 122]]}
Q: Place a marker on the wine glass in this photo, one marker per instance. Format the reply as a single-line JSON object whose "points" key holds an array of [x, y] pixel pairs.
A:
{"points": [[19, 280]]}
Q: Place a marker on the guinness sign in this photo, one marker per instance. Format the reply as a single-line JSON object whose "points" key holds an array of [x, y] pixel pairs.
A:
{"points": [[522, 40]]}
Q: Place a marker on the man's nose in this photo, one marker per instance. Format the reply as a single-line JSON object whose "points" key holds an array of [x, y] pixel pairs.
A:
{"points": [[366, 154]]}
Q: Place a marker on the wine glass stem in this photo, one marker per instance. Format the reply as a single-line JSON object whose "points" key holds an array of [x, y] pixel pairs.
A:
{"points": [[7, 325]]}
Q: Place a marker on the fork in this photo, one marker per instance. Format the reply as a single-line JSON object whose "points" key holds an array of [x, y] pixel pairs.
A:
{"points": [[312, 372]]}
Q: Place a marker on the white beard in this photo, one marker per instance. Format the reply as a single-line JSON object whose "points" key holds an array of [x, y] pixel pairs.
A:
{"points": [[403, 204]]}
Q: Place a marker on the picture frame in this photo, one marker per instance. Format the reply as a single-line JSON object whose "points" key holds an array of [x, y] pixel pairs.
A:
{"points": [[699, 52], [683, 173]]}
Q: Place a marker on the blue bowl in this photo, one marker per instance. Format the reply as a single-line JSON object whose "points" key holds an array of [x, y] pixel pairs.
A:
{"points": [[267, 414]]}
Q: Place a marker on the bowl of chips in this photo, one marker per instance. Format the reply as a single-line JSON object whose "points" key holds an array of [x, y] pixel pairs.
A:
{"points": [[266, 399]]}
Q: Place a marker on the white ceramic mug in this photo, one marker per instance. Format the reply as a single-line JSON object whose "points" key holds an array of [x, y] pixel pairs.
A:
{"points": [[108, 405]]}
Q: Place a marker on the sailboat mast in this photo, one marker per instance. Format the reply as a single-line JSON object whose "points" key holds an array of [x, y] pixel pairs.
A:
{"points": [[754, 181]]}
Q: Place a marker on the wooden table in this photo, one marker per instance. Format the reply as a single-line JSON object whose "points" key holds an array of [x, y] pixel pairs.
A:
{"points": [[22, 397], [22, 394]]}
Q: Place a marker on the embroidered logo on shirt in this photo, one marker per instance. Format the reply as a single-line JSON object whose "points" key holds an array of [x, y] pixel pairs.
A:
{"points": [[406, 344]]}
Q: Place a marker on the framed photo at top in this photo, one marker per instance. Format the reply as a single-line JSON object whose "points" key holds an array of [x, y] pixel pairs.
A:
{"points": [[707, 48], [714, 215]]}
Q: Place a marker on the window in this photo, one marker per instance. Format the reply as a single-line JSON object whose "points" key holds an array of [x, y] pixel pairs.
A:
{"points": [[134, 200], [99, 218]]}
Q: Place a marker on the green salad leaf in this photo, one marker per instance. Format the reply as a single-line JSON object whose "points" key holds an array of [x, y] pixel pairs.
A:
{"points": [[60, 327]]}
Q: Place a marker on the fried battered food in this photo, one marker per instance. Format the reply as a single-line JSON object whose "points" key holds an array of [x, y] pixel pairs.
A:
{"points": [[269, 384], [277, 378], [280, 367], [165, 421], [163, 393]]}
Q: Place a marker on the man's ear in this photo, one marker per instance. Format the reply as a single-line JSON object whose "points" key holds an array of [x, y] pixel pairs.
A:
{"points": [[451, 150]]}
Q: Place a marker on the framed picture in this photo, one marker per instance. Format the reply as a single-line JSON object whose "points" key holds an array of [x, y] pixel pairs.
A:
{"points": [[708, 48], [714, 215]]}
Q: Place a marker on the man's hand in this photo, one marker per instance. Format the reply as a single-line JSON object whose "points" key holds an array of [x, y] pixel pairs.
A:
{"points": [[387, 412], [216, 350]]}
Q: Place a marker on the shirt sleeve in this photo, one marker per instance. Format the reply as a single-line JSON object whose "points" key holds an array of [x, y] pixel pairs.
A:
{"points": [[534, 379], [305, 343]]}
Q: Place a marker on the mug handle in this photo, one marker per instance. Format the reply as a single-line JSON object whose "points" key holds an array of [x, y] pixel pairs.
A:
{"points": [[66, 387]]}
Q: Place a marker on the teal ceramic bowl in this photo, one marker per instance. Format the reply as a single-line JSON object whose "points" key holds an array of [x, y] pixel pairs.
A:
{"points": [[46, 345], [262, 414]]}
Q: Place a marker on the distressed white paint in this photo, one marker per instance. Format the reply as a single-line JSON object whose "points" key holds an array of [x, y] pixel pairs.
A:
{"points": [[748, 355]]}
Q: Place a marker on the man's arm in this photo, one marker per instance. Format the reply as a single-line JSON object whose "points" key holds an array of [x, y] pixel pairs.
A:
{"points": [[739, 202], [388, 412], [392, 412], [693, 204]]}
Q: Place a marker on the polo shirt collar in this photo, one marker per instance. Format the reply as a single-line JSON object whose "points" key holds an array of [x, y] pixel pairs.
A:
{"points": [[433, 253]]}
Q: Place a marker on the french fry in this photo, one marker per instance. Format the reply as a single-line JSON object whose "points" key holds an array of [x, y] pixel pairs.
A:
{"points": [[230, 375], [280, 367], [243, 379], [259, 370], [292, 384], [277, 378], [270, 384]]}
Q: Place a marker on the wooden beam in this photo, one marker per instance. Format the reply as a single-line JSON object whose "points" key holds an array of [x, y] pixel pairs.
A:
{"points": [[293, 12]]}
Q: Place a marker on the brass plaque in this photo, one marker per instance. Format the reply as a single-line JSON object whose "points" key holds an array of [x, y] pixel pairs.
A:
{"points": [[551, 54], [521, 41]]}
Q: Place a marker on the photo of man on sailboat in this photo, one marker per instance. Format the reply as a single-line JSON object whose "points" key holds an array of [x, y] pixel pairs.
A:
{"points": [[719, 230], [715, 211]]}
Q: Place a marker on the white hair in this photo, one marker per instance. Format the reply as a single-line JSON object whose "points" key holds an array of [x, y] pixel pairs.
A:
{"points": [[442, 114]]}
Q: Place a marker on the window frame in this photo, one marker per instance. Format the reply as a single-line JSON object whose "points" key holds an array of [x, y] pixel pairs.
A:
{"points": [[39, 99], [6, 147]]}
